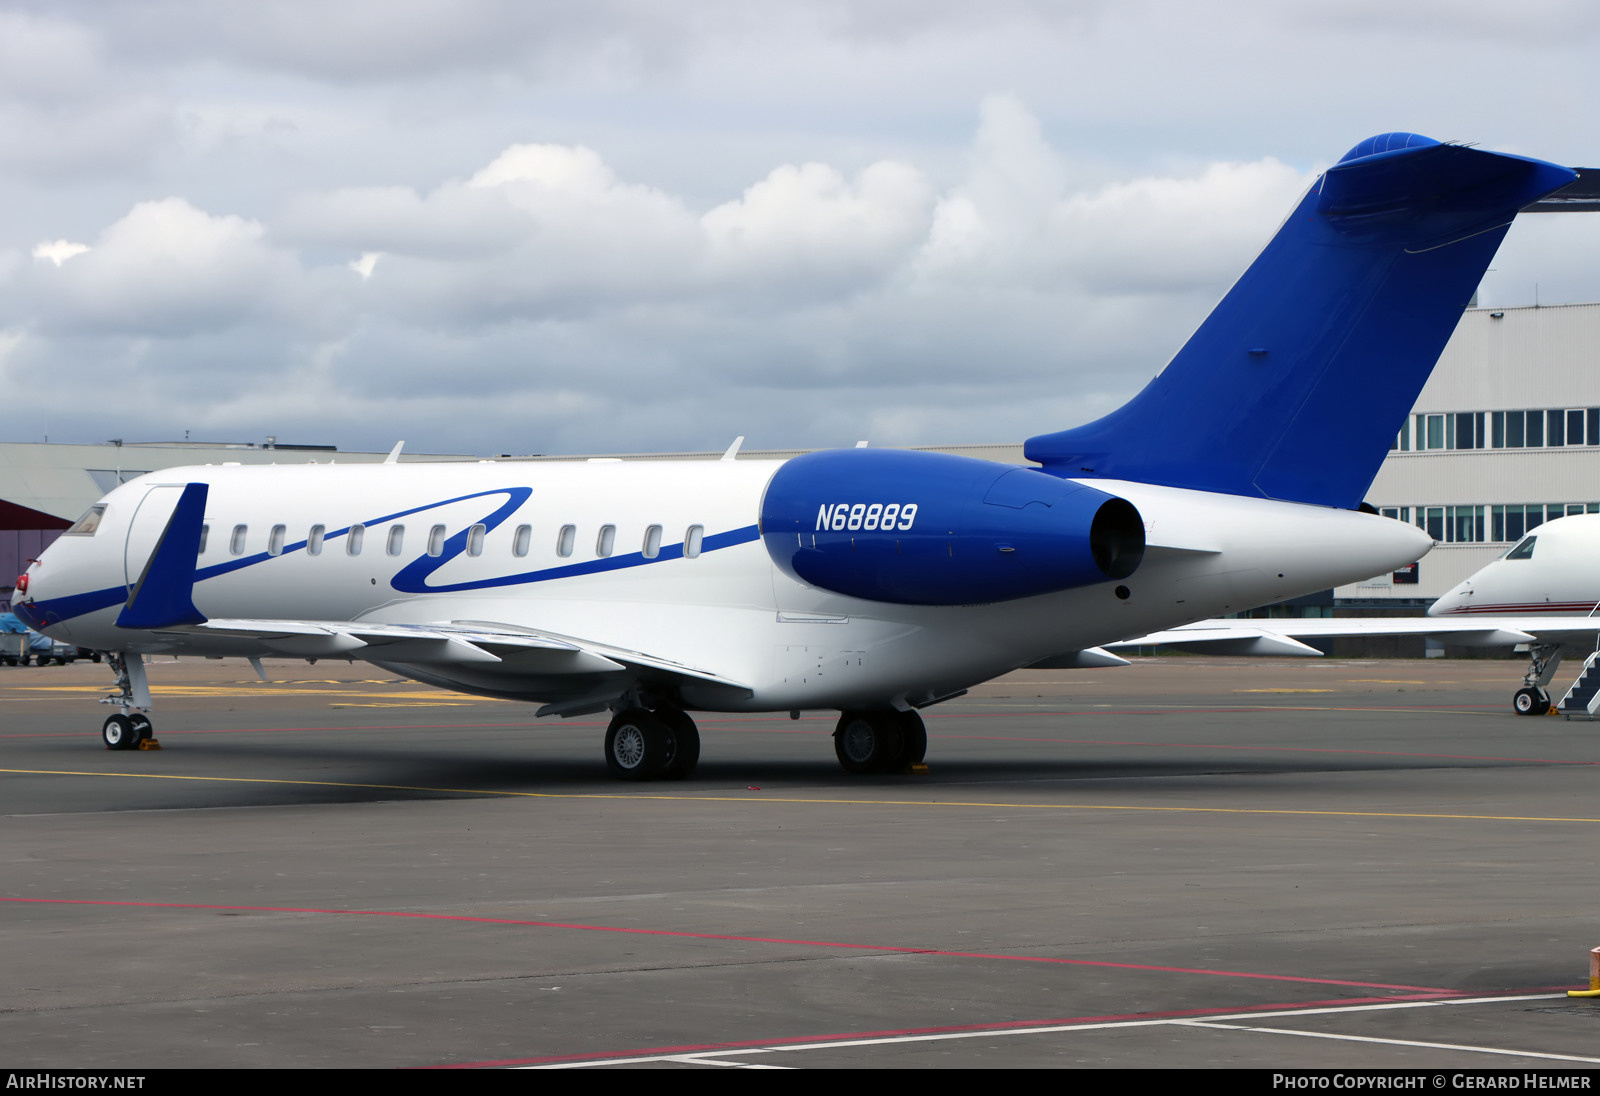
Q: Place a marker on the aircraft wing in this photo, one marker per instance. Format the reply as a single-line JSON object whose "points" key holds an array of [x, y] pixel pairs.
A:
{"points": [[460, 643], [1284, 636]]}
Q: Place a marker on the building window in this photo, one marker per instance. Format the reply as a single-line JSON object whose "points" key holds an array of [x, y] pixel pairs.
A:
{"points": [[1402, 440], [1434, 424]]}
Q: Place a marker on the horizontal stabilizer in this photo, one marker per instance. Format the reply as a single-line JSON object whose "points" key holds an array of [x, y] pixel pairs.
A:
{"points": [[1582, 196]]}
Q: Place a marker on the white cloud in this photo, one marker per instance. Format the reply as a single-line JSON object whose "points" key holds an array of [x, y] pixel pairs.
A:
{"points": [[167, 268], [58, 251], [622, 224], [809, 224]]}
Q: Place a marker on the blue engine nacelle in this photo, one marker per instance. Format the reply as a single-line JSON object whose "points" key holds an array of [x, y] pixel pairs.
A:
{"points": [[932, 529]]}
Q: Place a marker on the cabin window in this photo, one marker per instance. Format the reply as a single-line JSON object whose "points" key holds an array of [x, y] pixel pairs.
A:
{"points": [[314, 540], [652, 542], [436, 541], [397, 539], [566, 541], [606, 541], [520, 542], [352, 542], [205, 534], [475, 540], [275, 541], [692, 539], [1523, 550], [86, 525], [236, 544]]}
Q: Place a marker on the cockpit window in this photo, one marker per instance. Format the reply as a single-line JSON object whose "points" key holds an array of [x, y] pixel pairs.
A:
{"points": [[87, 524], [1523, 550]]}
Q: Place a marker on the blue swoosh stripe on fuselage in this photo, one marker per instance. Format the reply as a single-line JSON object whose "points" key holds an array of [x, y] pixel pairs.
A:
{"points": [[60, 609]]}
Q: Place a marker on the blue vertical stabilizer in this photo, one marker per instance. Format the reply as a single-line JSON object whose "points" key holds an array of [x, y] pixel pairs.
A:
{"points": [[1297, 382]]}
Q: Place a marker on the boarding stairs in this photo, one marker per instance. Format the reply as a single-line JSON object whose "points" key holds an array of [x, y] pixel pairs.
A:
{"points": [[1583, 699]]}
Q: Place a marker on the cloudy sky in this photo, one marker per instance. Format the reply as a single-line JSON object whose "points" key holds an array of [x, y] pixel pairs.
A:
{"points": [[495, 226]]}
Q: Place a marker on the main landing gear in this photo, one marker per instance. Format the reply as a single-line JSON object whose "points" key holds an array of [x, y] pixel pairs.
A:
{"points": [[130, 727], [1532, 698], [641, 744], [879, 741]]}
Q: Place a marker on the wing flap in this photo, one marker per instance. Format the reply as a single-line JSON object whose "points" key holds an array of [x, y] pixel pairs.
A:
{"points": [[457, 642], [1283, 636]]}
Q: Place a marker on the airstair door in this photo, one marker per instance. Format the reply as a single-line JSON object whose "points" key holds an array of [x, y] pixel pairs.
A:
{"points": [[144, 532]]}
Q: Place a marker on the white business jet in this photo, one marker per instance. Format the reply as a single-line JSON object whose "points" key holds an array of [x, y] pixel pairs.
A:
{"points": [[1544, 592], [875, 582]]}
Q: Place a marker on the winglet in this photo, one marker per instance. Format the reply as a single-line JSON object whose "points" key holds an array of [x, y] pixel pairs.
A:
{"points": [[732, 452], [394, 454], [164, 595]]}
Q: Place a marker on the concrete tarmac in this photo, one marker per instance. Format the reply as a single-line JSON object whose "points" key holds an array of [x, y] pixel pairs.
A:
{"points": [[1187, 862]]}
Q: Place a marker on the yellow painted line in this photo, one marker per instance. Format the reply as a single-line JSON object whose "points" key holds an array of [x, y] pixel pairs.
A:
{"points": [[809, 802], [223, 692], [409, 704], [1283, 690]]}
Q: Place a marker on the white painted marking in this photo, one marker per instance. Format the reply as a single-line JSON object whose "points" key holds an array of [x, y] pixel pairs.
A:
{"points": [[1388, 1042], [1221, 1022]]}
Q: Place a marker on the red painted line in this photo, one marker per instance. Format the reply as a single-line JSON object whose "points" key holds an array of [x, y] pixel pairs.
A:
{"points": [[1272, 749], [885, 948], [943, 1029]]}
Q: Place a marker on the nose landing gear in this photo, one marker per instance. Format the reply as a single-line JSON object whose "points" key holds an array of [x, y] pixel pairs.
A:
{"points": [[1532, 698], [130, 728]]}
